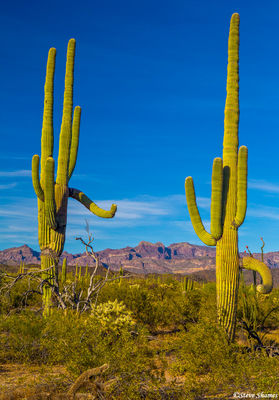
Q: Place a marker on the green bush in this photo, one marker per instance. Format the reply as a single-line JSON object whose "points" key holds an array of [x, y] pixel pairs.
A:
{"points": [[80, 342], [257, 313], [117, 332], [212, 366], [20, 338], [23, 294], [155, 304]]}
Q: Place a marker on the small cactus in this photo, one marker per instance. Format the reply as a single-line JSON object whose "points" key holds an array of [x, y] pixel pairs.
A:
{"points": [[64, 271], [187, 284], [113, 317], [21, 268], [121, 274]]}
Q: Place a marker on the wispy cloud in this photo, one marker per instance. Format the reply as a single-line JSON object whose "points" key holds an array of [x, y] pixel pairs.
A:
{"points": [[18, 210], [139, 208], [188, 227], [20, 228], [263, 186], [8, 186], [203, 202], [18, 173], [18, 218], [264, 212], [14, 238], [10, 157]]}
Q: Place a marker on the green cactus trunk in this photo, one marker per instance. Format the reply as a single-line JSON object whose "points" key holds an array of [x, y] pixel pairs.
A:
{"points": [[46, 262], [227, 258], [52, 241], [227, 281]]}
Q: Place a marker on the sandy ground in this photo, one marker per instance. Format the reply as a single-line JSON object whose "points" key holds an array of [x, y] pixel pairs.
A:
{"points": [[19, 381]]}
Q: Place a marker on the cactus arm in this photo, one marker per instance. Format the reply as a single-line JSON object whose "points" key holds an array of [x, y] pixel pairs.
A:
{"points": [[47, 129], [74, 141], [83, 199], [216, 198], [204, 236], [66, 127], [256, 265], [49, 193], [241, 186], [36, 178]]}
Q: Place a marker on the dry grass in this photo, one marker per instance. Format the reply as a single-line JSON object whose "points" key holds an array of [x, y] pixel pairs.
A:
{"points": [[20, 381]]}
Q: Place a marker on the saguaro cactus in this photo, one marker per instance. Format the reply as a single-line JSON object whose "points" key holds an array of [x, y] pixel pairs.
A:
{"points": [[228, 201], [53, 195]]}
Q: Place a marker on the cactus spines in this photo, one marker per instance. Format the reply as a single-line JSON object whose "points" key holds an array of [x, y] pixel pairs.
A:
{"points": [[53, 194], [228, 199]]}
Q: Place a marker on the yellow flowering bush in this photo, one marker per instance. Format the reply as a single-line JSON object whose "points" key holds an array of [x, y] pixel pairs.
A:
{"points": [[114, 317]]}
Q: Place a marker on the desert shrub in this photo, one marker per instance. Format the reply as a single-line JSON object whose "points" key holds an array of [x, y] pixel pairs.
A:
{"points": [[212, 366], [22, 294], [137, 297], [256, 314], [81, 342], [20, 336], [155, 304], [189, 307], [202, 349]]}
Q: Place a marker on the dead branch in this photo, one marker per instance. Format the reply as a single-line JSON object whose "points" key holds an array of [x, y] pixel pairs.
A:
{"points": [[85, 377], [70, 295]]}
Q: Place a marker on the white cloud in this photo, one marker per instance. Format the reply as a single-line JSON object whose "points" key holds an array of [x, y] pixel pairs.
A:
{"points": [[18, 173], [203, 202], [264, 212], [263, 185], [18, 219], [8, 157], [138, 208], [13, 237], [8, 186], [20, 228], [18, 210]]}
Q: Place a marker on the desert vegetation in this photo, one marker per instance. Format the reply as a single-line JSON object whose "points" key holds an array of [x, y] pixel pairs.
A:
{"points": [[155, 337]]}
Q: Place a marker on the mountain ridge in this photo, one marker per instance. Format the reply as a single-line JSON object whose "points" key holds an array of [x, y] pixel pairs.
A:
{"points": [[146, 257]]}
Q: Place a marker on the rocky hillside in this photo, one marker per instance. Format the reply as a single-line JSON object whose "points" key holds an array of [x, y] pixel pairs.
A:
{"points": [[146, 257]]}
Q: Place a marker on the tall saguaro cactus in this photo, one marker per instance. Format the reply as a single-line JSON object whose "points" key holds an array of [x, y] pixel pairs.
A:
{"points": [[53, 195], [228, 201]]}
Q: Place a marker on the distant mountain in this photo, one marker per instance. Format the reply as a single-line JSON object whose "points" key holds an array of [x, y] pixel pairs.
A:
{"points": [[146, 257], [15, 255]]}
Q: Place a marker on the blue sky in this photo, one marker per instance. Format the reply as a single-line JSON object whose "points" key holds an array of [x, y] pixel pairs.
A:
{"points": [[150, 77]]}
